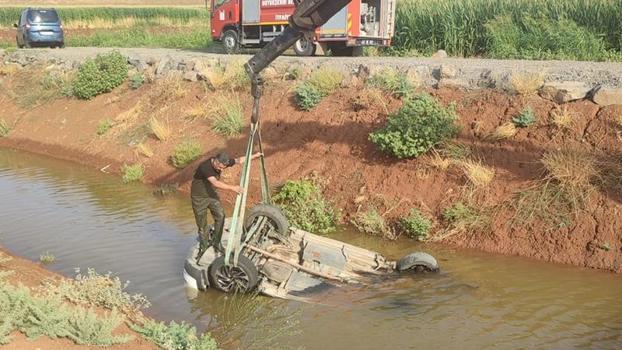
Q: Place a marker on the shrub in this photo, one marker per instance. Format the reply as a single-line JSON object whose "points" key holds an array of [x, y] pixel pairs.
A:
{"points": [[465, 218], [392, 81], [106, 291], [307, 96], [185, 153], [305, 208], [373, 223], [132, 173], [418, 126], [47, 258], [100, 75], [562, 118], [175, 336], [320, 84], [137, 80], [5, 129], [227, 115], [526, 83], [103, 126], [416, 225], [525, 118]]}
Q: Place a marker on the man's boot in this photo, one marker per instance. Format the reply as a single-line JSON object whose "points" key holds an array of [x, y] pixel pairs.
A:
{"points": [[204, 243]]}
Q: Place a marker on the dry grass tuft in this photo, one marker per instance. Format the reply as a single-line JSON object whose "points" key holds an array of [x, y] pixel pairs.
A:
{"points": [[526, 83], [8, 69], [168, 89], [144, 149], [504, 131], [199, 111], [561, 118], [573, 170], [618, 119], [437, 161], [161, 130], [478, 174]]}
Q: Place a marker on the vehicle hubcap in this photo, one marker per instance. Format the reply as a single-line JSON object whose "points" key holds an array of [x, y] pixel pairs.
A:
{"points": [[232, 279], [230, 42]]}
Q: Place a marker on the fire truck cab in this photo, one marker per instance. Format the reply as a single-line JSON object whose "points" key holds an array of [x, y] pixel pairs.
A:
{"points": [[254, 23]]}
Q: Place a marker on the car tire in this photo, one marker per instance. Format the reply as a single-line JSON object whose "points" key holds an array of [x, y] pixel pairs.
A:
{"points": [[418, 262], [276, 219], [230, 41], [62, 45], [233, 279], [304, 47]]}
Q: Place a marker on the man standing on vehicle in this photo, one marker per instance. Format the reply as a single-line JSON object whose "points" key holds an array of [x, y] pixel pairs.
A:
{"points": [[204, 196]]}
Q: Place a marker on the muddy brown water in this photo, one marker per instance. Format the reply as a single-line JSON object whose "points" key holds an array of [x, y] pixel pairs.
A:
{"points": [[86, 218]]}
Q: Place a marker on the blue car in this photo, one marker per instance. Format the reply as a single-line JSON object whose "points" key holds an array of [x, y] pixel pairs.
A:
{"points": [[39, 27]]}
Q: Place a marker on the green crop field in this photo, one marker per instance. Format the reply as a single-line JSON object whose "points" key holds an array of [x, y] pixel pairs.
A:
{"points": [[565, 29]]}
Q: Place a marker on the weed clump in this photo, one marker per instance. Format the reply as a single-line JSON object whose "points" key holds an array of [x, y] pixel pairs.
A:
{"points": [[136, 80], [175, 336], [5, 129], [416, 225], [305, 208], [159, 129], [525, 118], [103, 126], [504, 131], [99, 75], [373, 223], [185, 153], [132, 173], [392, 81], [227, 116], [320, 84], [421, 124], [47, 258], [478, 174], [464, 218]]}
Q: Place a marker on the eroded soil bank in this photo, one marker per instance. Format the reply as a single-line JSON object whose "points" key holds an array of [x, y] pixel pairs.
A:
{"points": [[331, 142]]}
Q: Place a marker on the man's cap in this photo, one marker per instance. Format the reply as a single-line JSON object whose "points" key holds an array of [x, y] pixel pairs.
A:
{"points": [[223, 158]]}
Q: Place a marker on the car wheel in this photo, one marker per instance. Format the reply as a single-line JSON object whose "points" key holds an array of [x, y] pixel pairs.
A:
{"points": [[27, 44], [230, 42], [62, 45], [275, 225], [18, 44], [417, 262], [304, 47], [233, 279]]}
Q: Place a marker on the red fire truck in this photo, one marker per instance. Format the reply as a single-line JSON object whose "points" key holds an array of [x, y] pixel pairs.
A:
{"points": [[253, 23]]}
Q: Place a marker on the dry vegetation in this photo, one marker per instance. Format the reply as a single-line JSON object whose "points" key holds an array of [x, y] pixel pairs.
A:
{"points": [[478, 174], [161, 130], [562, 118], [504, 131], [526, 83]]}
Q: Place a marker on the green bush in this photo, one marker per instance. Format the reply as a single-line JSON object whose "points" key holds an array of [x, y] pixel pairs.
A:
{"points": [[392, 81], [320, 84], [185, 153], [307, 96], [175, 336], [305, 208], [100, 75], [465, 218], [5, 129], [228, 117], [419, 125], [91, 288], [37, 315], [373, 223], [136, 80], [525, 118], [103, 126], [132, 173], [416, 225]]}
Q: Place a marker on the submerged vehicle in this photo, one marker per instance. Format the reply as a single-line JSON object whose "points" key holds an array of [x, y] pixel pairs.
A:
{"points": [[285, 262]]}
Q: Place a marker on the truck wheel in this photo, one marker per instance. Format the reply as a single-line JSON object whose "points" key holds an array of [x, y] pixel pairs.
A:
{"points": [[304, 47], [418, 262], [233, 279], [230, 41], [277, 222]]}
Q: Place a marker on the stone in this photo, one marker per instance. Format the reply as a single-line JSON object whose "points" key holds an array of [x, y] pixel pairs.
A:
{"points": [[138, 63], [604, 96], [151, 61], [440, 54], [164, 66], [413, 76], [447, 72], [203, 64], [459, 83], [190, 76], [565, 91]]}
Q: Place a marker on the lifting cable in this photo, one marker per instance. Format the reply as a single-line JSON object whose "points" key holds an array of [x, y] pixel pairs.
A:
{"points": [[234, 242]]}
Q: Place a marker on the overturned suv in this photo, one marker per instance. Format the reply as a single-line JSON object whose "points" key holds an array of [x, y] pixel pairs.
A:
{"points": [[286, 262]]}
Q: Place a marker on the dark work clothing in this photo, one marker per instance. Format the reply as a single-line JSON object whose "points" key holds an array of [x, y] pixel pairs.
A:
{"points": [[204, 197], [200, 205], [200, 185]]}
